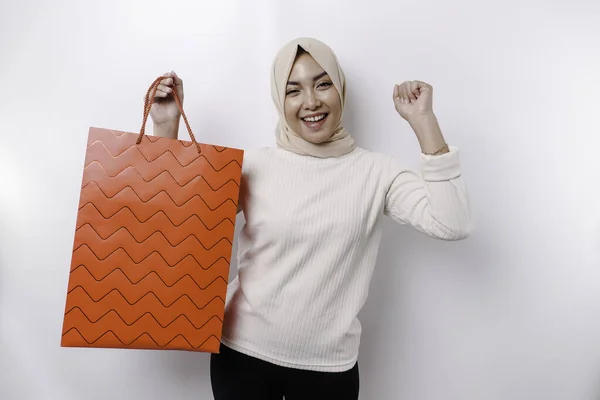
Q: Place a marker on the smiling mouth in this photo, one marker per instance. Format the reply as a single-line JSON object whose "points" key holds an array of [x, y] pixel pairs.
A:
{"points": [[315, 118]]}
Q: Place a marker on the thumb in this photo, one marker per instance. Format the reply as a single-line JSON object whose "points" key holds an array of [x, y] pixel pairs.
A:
{"points": [[176, 79]]}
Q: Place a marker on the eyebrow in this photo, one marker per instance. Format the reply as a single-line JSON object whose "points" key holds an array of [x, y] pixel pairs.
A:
{"points": [[322, 74]]}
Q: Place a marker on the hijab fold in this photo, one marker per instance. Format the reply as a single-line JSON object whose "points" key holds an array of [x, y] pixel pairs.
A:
{"points": [[340, 142]]}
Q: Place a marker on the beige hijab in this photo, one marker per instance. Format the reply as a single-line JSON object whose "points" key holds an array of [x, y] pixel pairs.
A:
{"points": [[340, 142]]}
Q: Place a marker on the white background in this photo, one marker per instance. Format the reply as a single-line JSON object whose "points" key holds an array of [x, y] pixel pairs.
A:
{"points": [[511, 313]]}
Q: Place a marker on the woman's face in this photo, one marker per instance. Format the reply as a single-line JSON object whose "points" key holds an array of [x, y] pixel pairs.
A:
{"points": [[312, 104]]}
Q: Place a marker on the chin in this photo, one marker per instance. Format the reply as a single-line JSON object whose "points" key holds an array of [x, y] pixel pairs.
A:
{"points": [[316, 137]]}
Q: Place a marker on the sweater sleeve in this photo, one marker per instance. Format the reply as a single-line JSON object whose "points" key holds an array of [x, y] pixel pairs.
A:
{"points": [[435, 203]]}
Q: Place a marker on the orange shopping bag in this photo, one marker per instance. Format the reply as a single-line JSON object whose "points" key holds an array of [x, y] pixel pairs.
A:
{"points": [[153, 241]]}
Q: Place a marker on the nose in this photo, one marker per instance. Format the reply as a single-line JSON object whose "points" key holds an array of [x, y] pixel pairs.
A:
{"points": [[311, 102]]}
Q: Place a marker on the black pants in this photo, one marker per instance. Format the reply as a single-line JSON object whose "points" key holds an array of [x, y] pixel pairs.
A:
{"points": [[236, 376]]}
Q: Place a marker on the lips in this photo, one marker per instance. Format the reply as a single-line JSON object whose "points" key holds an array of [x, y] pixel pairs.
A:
{"points": [[314, 117], [314, 121]]}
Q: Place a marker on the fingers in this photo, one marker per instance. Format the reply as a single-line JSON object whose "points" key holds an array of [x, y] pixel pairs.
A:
{"points": [[178, 81], [172, 78], [422, 86], [410, 91], [165, 87], [397, 96], [414, 87], [403, 94], [163, 91]]}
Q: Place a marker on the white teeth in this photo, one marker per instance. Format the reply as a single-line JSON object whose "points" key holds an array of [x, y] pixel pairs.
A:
{"points": [[314, 119]]}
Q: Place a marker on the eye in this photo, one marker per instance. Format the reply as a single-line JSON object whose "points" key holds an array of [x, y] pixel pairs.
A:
{"points": [[291, 91], [324, 85]]}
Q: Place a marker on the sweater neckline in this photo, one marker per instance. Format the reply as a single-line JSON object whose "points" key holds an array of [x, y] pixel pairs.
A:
{"points": [[312, 160]]}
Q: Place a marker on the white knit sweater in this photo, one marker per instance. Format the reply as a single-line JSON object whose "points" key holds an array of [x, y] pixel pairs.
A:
{"points": [[309, 245]]}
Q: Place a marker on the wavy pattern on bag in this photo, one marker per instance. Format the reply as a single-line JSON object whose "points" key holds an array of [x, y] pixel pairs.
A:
{"points": [[84, 253], [178, 235], [97, 151], [152, 263], [159, 221], [148, 214], [169, 278], [144, 341], [118, 141], [163, 181], [147, 325], [132, 293], [144, 208], [132, 313], [134, 298], [152, 245]]}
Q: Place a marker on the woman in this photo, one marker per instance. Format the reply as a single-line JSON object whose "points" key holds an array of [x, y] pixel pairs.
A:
{"points": [[313, 207]]}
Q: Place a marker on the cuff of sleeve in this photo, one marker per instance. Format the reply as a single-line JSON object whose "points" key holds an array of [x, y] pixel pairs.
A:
{"points": [[441, 168]]}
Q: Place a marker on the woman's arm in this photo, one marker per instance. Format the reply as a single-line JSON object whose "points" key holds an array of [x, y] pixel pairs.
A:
{"points": [[414, 102], [435, 203]]}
